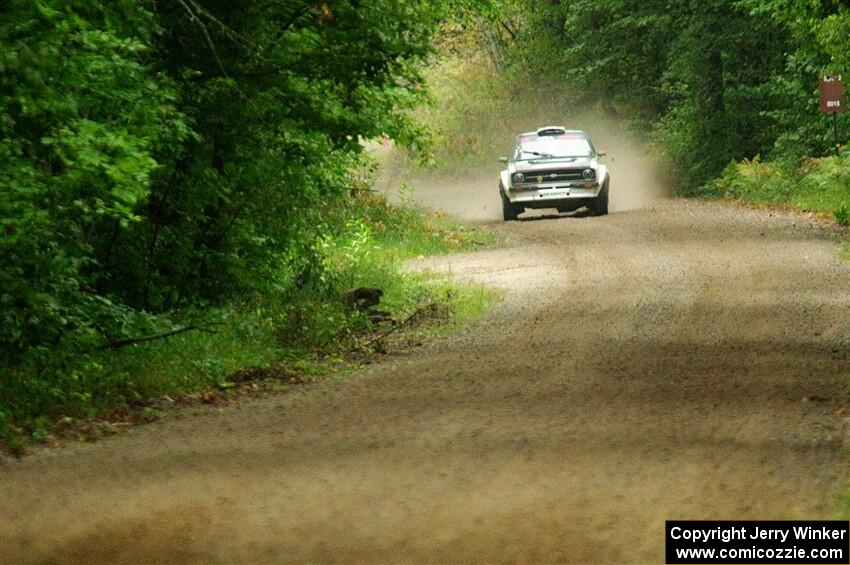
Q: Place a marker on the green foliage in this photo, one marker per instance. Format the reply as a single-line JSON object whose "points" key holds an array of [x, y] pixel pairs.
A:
{"points": [[364, 244], [842, 213], [165, 163], [708, 81], [162, 156], [818, 185], [81, 121]]}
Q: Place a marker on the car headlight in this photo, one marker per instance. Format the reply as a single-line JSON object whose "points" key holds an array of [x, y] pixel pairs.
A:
{"points": [[588, 174], [518, 178]]}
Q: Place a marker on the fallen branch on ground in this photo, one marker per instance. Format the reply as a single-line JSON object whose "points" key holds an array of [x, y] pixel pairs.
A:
{"points": [[406, 321]]}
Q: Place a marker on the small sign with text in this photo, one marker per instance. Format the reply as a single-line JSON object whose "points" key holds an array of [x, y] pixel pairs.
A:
{"points": [[832, 95]]}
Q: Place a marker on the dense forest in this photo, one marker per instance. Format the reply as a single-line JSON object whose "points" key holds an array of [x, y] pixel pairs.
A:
{"points": [[161, 155], [709, 82], [161, 160]]}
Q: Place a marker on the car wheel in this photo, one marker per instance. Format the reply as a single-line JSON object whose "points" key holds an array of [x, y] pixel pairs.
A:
{"points": [[599, 207], [509, 211]]}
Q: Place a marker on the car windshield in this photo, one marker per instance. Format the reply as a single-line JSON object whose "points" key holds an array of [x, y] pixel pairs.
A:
{"points": [[552, 146]]}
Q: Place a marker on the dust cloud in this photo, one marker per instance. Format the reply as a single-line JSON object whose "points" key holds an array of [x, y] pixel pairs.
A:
{"points": [[471, 193]]}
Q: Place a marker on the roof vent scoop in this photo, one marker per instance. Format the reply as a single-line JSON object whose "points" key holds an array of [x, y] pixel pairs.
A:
{"points": [[551, 130]]}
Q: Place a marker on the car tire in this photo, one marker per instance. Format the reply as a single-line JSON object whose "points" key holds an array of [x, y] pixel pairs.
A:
{"points": [[509, 211], [599, 207]]}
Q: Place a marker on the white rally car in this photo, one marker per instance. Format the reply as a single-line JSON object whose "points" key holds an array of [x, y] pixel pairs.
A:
{"points": [[553, 167]]}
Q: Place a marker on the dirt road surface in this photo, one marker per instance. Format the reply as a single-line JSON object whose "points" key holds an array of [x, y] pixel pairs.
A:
{"points": [[687, 360]]}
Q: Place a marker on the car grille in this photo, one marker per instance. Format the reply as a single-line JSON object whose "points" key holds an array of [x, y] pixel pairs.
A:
{"points": [[560, 175]]}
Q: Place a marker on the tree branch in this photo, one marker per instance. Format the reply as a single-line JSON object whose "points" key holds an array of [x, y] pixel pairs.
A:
{"points": [[508, 29], [288, 24], [395, 328], [193, 17], [136, 340], [234, 35]]}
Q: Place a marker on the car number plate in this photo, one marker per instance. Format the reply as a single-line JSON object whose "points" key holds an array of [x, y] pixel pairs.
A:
{"points": [[552, 194]]}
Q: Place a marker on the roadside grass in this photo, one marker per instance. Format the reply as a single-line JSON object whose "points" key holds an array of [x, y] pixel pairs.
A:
{"points": [[816, 185], [303, 333]]}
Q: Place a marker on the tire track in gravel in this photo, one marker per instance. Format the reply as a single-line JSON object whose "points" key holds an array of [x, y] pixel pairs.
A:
{"points": [[644, 366]]}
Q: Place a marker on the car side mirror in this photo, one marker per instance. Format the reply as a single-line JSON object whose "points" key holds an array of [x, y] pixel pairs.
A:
{"points": [[503, 159], [601, 153]]}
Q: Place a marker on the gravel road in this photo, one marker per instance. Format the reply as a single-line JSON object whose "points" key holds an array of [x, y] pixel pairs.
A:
{"points": [[687, 360]]}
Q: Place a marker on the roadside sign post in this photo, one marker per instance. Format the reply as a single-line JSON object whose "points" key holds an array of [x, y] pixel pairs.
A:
{"points": [[835, 131], [833, 99]]}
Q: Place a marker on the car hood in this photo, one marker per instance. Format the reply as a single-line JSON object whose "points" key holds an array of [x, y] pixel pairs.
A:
{"points": [[549, 164]]}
